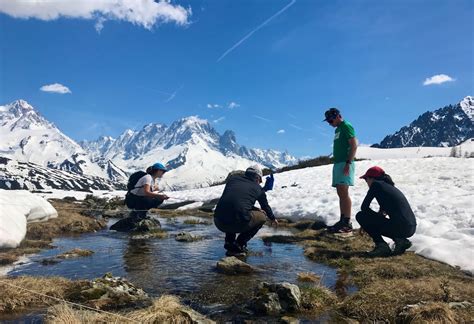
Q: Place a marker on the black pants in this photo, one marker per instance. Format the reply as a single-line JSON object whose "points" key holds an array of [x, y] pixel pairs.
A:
{"points": [[141, 204], [377, 225], [247, 230]]}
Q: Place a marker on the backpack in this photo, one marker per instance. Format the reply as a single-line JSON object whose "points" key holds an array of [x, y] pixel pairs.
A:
{"points": [[132, 181]]}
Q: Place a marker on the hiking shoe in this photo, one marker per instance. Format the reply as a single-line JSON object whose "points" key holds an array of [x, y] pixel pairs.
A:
{"points": [[233, 247], [341, 226], [381, 250], [401, 245]]}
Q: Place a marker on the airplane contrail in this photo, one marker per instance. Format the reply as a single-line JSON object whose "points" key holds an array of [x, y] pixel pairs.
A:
{"points": [[256, 29]]}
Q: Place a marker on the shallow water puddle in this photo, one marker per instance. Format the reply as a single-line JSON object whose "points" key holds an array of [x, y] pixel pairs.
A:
{"points": [[185, 269]]}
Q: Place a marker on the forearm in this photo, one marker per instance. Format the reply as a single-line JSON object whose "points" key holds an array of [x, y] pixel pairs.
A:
{"points": [[352, 151]]}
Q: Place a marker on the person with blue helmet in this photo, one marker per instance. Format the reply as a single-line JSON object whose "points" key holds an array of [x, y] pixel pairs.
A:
{"points": [[143, 194]]}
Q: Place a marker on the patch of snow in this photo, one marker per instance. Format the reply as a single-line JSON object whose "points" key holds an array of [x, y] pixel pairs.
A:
{"points": [[17, 208]]}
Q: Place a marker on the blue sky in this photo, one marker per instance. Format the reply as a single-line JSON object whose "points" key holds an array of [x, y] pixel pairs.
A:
{"points": [[263, 66]]}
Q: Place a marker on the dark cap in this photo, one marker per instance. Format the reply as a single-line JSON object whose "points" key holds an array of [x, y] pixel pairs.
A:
{"points": [[332, 113]]}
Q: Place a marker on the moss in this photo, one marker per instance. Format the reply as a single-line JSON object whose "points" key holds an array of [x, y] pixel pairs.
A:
{"points": [[386, 285], [316, 298]]}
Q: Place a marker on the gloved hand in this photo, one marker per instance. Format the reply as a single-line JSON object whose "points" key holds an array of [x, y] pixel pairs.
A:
{"points": [[269, 183]]}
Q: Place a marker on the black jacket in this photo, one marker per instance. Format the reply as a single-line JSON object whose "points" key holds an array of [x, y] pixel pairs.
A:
{"points": [[238, 199], [392, 201]]}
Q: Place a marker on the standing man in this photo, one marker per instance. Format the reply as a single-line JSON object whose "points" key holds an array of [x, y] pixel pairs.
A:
{"points": [[344, 150]]}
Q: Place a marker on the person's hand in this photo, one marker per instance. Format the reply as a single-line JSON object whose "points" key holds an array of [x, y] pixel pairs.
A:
{"points": [[346, 169], [274, 223], [269, 181]]}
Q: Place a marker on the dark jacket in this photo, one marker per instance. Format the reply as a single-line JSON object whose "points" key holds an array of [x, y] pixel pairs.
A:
{"points": [[238, 200], [391, 201]]}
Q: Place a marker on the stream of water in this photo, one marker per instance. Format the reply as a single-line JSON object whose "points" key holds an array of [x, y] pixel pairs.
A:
{"points": [[162, 266]]}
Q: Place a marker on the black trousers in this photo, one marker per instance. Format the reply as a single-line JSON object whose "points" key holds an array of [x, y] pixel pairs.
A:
{"points": [[247, 230], [377, 225], [141, 204]]}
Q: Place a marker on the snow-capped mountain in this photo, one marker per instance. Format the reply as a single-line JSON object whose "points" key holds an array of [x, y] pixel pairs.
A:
{"points": [[28, 137], [31, 176], [195, 152], [448, 126]]}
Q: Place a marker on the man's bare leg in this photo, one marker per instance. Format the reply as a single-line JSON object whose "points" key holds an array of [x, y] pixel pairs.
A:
{"points": [[345, 202]]}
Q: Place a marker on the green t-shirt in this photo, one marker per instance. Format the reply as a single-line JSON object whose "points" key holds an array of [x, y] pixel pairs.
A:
{"points": [[341, 146]]}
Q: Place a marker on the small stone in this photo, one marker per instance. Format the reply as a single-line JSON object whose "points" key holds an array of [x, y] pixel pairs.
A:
{"points": [[290, 296], [232, 265], [460, 305], [289, 320], [187, 237]]}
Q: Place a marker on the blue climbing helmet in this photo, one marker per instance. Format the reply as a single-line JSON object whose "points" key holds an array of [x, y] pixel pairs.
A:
{"points": [[158, 166]]}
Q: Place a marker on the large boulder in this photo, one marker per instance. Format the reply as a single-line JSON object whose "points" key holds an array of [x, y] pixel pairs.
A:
{"points": [[232, 265]]}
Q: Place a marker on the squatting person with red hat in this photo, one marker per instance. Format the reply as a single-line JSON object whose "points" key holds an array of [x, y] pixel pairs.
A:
{"points": [[395, 218]]}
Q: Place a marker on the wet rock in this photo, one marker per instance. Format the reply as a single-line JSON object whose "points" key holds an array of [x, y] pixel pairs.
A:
{"points": [[75, 253], [146, 236], [187, 237], [289, 296], [49, 261], [148, 225], [460, 305], [232, 265], [196, 317], [111, 292], [267, 304], [289, 320], [129, 224]]}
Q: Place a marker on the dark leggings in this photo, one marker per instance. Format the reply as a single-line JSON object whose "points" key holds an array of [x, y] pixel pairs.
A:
{"points": [[141, 204], [247, 230], [377, 225]]}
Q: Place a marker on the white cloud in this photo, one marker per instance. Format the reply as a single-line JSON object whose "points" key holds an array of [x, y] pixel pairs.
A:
{"points": [[281, 131], [145, 13], [218, 120], [438, 79], [233, 105], [213, 106], [56, 88]]}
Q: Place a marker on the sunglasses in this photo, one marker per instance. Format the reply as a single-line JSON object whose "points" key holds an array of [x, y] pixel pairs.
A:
{"points": [[330, 120]]}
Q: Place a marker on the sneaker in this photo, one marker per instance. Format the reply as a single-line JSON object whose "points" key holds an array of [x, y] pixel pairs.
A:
{"points": [[401, 245], [235, 253], [381, 250], [340, 227]]}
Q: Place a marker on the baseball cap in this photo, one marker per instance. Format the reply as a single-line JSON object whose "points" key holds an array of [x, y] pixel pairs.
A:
{"points": [[332, 113], [255, 169], [373, 172], [159, 166]]}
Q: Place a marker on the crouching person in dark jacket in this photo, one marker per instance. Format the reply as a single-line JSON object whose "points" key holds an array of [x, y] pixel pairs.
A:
{"points": [[235, 212]]}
